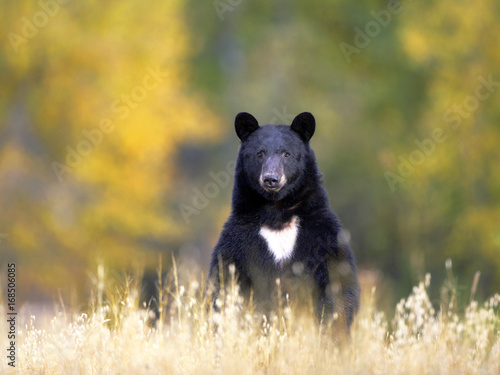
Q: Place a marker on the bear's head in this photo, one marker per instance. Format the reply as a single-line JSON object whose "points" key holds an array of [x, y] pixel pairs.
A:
{"points": [[275, 159]]}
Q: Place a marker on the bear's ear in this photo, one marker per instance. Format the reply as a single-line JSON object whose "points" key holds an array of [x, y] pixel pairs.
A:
{"points": [[245, 124], [304, 124]]}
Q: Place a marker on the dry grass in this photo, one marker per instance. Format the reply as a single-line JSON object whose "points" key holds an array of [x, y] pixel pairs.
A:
{"points": [[115, 338]]}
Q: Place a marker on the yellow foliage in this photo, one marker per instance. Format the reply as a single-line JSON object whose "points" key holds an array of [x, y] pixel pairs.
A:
{"points": [[102, 89]]}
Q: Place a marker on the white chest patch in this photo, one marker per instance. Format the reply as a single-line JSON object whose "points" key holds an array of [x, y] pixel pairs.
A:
{"points": [[281, 242]]}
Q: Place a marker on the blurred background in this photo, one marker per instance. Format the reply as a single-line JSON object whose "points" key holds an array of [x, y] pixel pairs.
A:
{"points": [[117, 141]]}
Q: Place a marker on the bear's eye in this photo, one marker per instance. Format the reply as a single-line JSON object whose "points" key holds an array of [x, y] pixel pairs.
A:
{"points": [[286, 154], [260, 154]]}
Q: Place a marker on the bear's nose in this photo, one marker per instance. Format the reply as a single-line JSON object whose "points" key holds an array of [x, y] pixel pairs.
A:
{"points": [[270, 180]]}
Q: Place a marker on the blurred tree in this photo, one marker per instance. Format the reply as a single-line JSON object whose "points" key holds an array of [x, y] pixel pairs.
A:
{"points": [[95, 102], [458, 185]]}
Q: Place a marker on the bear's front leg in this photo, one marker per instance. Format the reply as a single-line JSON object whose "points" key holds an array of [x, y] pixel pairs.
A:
{"points": [[336, 294], [323, 302], [343, 287], [215, 275]]}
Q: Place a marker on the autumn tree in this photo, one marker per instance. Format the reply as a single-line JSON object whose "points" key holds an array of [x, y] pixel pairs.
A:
{"points": [[95, 102]]}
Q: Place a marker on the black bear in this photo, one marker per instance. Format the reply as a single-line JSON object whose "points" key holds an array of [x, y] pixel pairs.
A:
{"points": [[281, 225]]}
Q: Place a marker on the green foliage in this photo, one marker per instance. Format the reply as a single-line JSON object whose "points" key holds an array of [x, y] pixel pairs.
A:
{"points": [[411, 92]]}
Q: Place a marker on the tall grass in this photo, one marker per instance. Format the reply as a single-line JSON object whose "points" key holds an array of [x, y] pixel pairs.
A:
{"points": [[117, 336]]}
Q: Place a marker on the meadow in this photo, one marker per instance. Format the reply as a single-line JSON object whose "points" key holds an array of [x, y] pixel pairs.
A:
{"points": [[118, 335]]}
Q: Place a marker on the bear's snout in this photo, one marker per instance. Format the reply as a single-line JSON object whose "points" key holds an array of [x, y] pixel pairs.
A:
{"points": [[272, 177], [270, 181]]}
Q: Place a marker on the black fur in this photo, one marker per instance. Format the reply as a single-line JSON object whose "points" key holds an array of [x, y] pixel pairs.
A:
{"points": [[318, 258]]}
